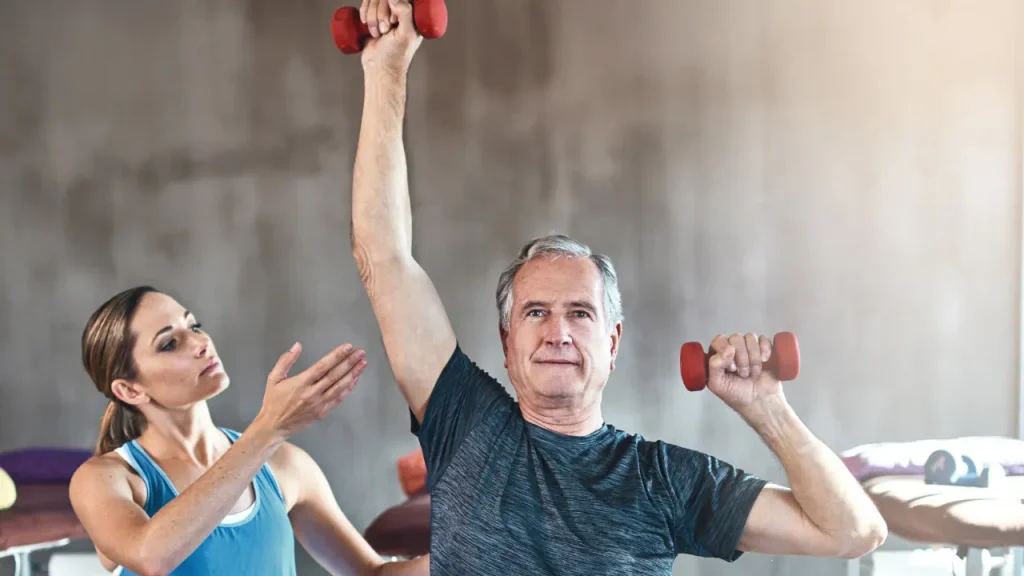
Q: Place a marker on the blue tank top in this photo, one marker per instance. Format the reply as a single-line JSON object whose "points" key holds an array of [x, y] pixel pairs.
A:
{"points": [[257, 542]]}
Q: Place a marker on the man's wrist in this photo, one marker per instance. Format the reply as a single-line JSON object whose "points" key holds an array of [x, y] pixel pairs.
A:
{"points": [[774, 420], [383, 77]]}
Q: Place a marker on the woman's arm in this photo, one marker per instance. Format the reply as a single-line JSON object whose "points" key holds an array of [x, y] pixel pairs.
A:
{"points": [[324, 530], [122, 531], [102, 496]]}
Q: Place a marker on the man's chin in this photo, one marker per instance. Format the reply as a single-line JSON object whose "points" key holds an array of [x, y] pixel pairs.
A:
{"points": [[558, 388]]}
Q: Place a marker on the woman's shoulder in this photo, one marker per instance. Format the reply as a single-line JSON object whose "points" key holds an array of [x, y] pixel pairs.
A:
{"points": [[292, 460], [106, 472], [293, 468], [107, 464]]}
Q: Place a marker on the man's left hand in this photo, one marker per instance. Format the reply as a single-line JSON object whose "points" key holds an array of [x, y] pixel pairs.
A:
{"points": [[736, 373]]}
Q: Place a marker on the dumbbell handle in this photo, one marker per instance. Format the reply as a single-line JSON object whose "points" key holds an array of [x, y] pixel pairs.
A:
{"points": [[350, 33], [784, 362]]}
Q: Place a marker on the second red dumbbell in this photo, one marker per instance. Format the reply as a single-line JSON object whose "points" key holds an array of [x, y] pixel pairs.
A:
{"points": [[350, 33], [784, 362]]}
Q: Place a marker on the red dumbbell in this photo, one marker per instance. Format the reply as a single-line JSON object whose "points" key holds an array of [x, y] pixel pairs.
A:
{"points": [[784, 362], [429, 16]]}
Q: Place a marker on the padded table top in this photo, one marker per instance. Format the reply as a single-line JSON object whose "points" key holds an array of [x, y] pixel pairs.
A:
{"points": [[956, 515], [403, 529], [42, 513]]}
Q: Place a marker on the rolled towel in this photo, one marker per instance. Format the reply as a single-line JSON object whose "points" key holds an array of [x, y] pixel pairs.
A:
{"points": [[8, 493], [43, 465], [953, 468]]}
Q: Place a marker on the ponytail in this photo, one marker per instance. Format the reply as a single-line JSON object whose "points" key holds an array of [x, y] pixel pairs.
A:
{"points": [[120, 424], [107, 344]]}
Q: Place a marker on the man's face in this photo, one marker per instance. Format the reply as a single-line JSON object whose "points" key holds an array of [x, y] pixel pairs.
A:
{"points": [[558, 345]]}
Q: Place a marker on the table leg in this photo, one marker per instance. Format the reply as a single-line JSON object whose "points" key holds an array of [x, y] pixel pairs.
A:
{"points": [[23, 563]]}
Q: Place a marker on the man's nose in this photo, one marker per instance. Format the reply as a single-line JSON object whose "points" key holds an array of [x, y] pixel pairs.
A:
{"points": [[557, 332]]}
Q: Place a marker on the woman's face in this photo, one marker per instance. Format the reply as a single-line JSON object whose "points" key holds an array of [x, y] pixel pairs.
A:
{"points": [[177, 362]]}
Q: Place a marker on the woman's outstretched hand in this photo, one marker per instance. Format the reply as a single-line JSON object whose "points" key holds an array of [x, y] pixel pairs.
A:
{"points": [[290, 404]]}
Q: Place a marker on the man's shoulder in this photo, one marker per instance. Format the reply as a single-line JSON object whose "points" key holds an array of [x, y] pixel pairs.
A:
{"points": [[465, 384], [460, 366], [463, 376]]}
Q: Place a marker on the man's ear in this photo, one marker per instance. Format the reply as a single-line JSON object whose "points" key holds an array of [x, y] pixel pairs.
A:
{"points": [[128, 392], [616, 336], [503, 334]]}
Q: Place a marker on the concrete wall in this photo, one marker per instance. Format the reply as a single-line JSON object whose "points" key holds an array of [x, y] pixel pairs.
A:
{"points": [[848, 171]]}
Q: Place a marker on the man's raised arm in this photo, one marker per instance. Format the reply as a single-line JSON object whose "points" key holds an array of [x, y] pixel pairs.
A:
{"points": [[418, 336]]}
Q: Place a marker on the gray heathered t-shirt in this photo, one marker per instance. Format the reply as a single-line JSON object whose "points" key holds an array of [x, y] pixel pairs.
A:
{"points": [[511, 498]]}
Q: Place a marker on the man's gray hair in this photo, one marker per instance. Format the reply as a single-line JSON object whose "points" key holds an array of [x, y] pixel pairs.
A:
{"points": [[560, 245]]}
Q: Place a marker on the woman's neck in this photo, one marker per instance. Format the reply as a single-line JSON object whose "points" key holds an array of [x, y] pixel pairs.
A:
{"points": [[188, 434]]}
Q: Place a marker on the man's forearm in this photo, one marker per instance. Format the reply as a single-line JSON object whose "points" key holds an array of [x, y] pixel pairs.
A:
{"points": [[827, 493], [381, 219]]}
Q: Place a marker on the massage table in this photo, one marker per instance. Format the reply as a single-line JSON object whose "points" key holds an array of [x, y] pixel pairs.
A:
{"points": [[403, 530], [984, 526], [41, 518]]}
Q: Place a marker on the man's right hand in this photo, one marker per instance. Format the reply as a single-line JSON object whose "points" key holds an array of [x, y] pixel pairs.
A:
{"points": [[395, 38], [292, 404]]}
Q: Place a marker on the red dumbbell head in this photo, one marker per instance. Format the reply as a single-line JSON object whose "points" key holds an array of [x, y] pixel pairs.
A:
{"points": [[693, 365], [785, 360], [430, 17], [348, 30]]}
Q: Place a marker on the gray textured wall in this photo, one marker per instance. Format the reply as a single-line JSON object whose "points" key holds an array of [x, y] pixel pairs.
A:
{"points": [[848, 171]]}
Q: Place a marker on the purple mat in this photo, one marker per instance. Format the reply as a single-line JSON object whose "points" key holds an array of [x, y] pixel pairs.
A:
{"points": [[908, 458], [42, 465]]}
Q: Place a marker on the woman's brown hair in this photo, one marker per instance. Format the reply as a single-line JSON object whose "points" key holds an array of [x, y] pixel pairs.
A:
{"points": [[107, 344]]}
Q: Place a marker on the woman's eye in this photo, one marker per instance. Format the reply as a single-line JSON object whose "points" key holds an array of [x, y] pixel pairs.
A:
{"points": [[169, 345], [196, 327]]}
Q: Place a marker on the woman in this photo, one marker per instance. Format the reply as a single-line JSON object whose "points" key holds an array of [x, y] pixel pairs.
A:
{"points": [[169, 492]]}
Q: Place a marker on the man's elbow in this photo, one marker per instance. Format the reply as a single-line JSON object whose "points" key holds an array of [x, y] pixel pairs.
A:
{"points": [[372, 251], [864, 539]]}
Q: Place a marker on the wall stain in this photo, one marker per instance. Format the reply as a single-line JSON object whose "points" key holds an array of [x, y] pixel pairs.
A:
{"points": [[23, 91], [297, 153], [283, 34], [518, 56], [88, 222]]}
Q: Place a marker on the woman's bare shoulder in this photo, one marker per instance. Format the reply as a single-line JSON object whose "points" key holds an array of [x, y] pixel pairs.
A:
{"points": [[106, 472], [292, 467]]}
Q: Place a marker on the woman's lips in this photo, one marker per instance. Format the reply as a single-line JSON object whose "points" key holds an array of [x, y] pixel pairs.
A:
{"points": [[210, 368]]}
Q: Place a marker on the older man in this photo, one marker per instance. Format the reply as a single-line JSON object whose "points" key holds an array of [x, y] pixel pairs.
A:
{"points": [[543, 485]]}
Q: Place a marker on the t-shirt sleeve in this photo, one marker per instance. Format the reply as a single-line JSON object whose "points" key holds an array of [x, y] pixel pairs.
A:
{"points": [[711, 501], [462, 396]]}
